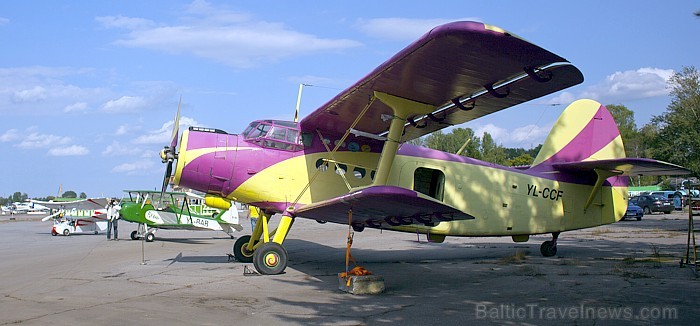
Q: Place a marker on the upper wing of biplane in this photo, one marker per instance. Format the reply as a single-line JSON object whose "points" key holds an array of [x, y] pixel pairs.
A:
{"points": [[377, 204], [86, 204], [464, 69]]}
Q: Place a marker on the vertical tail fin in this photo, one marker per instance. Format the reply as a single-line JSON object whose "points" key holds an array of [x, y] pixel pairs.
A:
{"points": [[585, 131]]}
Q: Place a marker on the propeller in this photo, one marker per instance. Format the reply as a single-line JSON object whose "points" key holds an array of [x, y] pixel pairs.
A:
{"points": [[168, 154]]}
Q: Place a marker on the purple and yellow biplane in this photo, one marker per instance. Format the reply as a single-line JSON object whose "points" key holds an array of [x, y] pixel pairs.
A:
{"points": [[349, 161]]}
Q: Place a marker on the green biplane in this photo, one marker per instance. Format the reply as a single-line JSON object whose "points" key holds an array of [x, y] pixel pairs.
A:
{"points": [[154, 210]]}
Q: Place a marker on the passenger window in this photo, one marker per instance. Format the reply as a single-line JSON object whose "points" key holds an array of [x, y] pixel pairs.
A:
{"points": [[430, 182]]}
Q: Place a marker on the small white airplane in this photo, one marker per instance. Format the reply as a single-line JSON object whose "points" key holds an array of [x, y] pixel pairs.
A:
{"points": [[76, 216], [25, 208]]}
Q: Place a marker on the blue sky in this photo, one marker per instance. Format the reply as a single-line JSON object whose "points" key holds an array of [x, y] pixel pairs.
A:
{"points": [[88, 89]]}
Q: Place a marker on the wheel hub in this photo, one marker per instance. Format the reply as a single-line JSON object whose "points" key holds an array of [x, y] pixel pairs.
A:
{"points": [[271, 259]]}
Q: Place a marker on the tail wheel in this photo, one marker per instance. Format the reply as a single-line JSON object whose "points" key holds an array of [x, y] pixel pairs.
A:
{"points": [[548, 249], [66, 232], [240, 250], [270, 259]]}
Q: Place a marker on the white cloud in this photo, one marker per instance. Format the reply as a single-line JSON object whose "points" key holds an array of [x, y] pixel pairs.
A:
{"points": [[628, 85], [135, 168], [76, 107], [118, 149], [10, 135], [124, 22], [521, 137], [73, 150], [222, 35], [4, 21], [401, 29], [125, 104], [37, 140], [162, 135], [34, 94], [122, 130]]}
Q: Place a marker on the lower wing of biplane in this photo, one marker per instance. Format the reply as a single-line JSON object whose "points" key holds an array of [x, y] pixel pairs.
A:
{"points": [[375, 205]]}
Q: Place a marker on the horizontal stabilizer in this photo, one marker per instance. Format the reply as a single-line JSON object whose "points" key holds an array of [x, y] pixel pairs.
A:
{"points": [[625, 166], [377, 205]]}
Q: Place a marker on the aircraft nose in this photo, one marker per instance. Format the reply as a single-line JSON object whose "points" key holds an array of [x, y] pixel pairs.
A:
{"points": [[129, 211]]}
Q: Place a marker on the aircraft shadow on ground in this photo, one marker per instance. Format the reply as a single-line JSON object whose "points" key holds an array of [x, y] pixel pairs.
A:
{"points": [[198, 259], [459, 275]]}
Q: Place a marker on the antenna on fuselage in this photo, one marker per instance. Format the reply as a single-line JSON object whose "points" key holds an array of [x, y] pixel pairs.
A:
{"points": [[296, 114]]}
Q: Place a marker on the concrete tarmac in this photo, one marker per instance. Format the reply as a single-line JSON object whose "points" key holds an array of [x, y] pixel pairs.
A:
{"points": [[626, 273]]}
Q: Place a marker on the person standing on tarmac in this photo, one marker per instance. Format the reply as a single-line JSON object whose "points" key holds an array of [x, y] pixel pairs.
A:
{"points": [[112, 218], [253, 215]]}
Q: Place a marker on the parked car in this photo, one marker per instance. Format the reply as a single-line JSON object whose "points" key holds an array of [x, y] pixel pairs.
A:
{"points": [[653, 203], [633, 211]]}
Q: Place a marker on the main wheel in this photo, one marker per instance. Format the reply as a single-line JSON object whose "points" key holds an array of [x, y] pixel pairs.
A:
{"points": [[54, 233], [270, 259], [134, 235], [150, 237], [240, 250], [548, 249], [66, 232]]}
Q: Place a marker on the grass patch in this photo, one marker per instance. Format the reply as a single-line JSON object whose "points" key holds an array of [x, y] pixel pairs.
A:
{"points": [[518, 257]]}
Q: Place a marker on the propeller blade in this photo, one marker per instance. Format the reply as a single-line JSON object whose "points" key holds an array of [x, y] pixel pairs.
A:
{"points": [[166, 178], [176, 127], [51, 216]]}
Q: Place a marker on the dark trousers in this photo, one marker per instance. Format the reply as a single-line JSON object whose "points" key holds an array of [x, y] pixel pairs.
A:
{"points": [[112, 224]]}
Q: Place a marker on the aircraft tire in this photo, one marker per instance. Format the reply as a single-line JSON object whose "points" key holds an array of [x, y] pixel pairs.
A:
{"points": [[66, 232], [54, 233], [134, 235], [270, 259], [240, 250], [547, 249], [150, 237]]}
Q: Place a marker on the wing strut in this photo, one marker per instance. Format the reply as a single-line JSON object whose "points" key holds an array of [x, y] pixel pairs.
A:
{"points": [[602, 176], [402, 108]]}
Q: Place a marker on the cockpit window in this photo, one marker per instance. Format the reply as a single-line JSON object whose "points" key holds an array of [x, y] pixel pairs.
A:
{"points": [[256, 130], [274, 134]]}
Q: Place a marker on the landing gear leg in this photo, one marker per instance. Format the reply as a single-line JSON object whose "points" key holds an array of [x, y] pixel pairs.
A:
{"points": [[271, 257], [549, 248]]}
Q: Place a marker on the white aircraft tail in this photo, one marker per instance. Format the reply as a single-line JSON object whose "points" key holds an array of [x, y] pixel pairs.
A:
{"points": [[231, 216]]}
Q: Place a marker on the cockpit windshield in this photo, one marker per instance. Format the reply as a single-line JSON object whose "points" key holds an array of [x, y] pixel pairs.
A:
{"points": [[274, 134]]}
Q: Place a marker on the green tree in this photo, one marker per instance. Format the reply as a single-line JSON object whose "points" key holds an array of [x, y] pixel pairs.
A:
{"points": [[20, 197], [83, 195], [678, 139], [453, 141], [624, 118], [492, 152], [523, 159], [69, 194]]}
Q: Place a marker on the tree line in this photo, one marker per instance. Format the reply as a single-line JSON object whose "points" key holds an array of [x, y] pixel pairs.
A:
{"points": [[673, 136], [22, 196]]}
